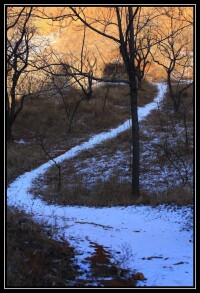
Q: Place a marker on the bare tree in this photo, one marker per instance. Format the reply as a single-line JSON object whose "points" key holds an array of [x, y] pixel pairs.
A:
{"points": [[129, 24], [19, 36], [143, 45], [41, 142], [129, 27], [174, 144], [65, 71], [174, 52]]}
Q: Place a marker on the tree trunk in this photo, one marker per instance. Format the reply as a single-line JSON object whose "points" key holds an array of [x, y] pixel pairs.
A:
{"points": [[128, 55], [73, 115], [175, 101], [135, 143], [9, 130], [8, 121]]}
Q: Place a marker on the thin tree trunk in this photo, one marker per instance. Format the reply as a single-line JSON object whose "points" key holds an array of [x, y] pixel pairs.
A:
{"points": [[134, 108], [8, 121], [73, 115], [135, 143], [128, 55], [170, 86], [9, 131], [176, 103]]}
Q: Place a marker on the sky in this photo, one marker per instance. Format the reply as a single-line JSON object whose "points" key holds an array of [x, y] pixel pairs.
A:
{"points": [[157, 241]]}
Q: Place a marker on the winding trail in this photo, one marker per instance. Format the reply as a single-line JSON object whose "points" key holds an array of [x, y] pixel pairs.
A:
{"points": [[18, 192], [116, 227]]}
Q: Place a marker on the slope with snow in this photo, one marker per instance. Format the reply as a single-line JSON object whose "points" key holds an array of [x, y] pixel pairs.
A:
{"points": [[158, 237]]}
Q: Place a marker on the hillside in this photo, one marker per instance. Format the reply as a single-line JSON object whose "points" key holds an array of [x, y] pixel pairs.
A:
{"points": [[118, 268]]}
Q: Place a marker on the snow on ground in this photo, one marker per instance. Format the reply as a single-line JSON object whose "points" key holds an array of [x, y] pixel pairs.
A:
{"points": [[21, 141], [154, 173], [159, 238]]}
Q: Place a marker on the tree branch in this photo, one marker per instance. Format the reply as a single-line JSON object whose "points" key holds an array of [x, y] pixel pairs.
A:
{"points": [[93, 28]]}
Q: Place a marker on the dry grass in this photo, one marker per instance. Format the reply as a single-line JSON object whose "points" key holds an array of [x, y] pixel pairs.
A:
{"points": [[147, 93], [33, 259], [169, 122], [25, 157], [18, 163], [186, 106], [75, 191], [108, 106], [114, 191]]}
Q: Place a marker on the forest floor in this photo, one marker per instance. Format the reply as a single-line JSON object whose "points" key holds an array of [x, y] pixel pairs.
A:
{"points": [[91, 178]]}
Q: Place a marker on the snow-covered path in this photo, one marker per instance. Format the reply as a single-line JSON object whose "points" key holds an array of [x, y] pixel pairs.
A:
{"points": [[161, 249]]}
